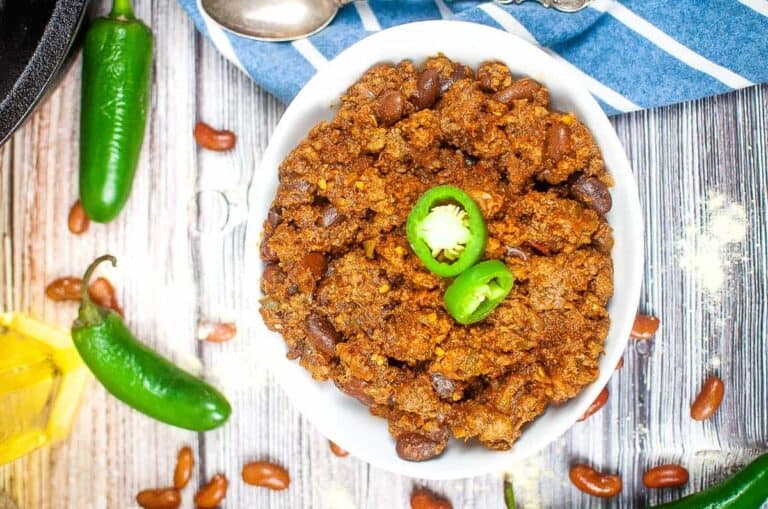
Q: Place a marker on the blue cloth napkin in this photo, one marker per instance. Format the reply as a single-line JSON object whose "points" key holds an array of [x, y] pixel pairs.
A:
{"points": [[633, 54]]}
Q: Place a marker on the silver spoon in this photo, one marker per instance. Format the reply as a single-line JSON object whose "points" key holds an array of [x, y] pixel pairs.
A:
{"points": [[287, 20]]}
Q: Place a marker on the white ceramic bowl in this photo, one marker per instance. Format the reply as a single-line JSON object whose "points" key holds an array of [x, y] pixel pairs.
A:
{"points": [[341, 418]]}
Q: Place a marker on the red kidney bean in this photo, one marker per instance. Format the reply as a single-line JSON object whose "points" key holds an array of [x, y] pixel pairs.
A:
{"points": [[558, 141], [78, 221], [165, 498], [389, 107], [427, 89], [328, 216], [600, 401], [322, 334], [266, 252], [103, 293], [416, 447], [592, 482], [593, 193], [182, 473], [213, 139], [216, 332], [64, 288], [422, 498], [274, 218], [459, 73], [266, 475], [665, 476], [336, 450], [708, 400], [620, 364], [315, 263], [520, 89], [356, 388], [210, 495], [645, 327]]}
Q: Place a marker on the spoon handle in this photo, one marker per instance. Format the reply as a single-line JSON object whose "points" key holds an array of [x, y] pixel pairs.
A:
{"points": [[560, 5]]}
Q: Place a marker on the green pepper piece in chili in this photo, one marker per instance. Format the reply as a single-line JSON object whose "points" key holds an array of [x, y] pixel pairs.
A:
{"points": [[477, 291], [747, 489], [117, 64], [139, 376], [446, 230]]}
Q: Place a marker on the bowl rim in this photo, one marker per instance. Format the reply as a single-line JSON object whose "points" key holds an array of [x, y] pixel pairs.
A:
{"points": [[621, 325]]}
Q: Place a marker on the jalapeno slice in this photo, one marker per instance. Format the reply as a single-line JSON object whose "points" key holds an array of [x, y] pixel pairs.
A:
{"points": [[446, 230], [477, 291]]}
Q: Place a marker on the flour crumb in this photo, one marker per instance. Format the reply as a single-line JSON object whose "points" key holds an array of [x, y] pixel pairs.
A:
{"points": [[337, 497], [703, 249]]}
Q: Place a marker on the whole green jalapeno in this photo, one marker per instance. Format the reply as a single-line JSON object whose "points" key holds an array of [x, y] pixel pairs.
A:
{"points": [[139, 376], [117, 64]]}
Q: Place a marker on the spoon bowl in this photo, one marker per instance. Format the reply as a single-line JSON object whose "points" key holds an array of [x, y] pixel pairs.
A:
{"points": [[272, 20]]}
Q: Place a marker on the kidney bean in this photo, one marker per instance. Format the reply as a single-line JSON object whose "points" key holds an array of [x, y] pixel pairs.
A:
{"points": [[356, 388], [592, 482], [272, 276], [64, 288], [521, 89], [620, 364], [103, 293], [708, 400], [165, 498], [315, 263], [427, 89], [216, 332], [274, 218], [336, 450], [558, 141], [596, 405], [459, 73], [78, 221], [416, 447], [328, 216], [266, 252], [593, 193], [422, 498], [211, 494], [266, 475], [322, 334], [665, 476], [645, 327], [389, 107], [212, 139], [182, 473], [444, 387]]}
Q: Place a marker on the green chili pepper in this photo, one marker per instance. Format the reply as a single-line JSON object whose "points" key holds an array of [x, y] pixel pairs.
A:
{"points": [[746, 489], [477, 291], [139, 376], [509, 493], [117, 63], [446, 230]]}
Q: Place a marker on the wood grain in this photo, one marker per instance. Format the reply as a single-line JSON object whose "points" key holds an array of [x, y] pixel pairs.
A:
{"points": [[180, 243]]}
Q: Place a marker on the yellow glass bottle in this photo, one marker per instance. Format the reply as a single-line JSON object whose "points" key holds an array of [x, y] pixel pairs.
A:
{"points": [[42, 379]]}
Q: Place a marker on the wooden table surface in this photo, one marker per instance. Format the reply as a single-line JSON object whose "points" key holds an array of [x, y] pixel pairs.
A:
{"points": [[176, 269]]}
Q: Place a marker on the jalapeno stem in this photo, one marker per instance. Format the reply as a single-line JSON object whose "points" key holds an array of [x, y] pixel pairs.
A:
{"points": [[121, 9], [89, 312]]}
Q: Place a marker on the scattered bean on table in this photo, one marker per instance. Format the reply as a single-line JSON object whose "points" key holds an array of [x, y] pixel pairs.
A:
{"points": [[78, 221], [665, 476], [182, 473], [708, 400], [213, 139], [422, 498], [64, 288], [645, 327], [336, 450], [600, 401], [216, 332], [266, 475], [592, 482], [211, 494], [163, 498]]}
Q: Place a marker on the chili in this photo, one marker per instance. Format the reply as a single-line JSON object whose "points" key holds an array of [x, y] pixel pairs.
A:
{"points": [[746, 489], [117, 63], [477, 291], [446, 230], [139, 376]]}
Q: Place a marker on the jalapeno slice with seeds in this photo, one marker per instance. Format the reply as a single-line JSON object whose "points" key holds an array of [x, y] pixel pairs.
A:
{"points": [[477, 291], [446, 230]]}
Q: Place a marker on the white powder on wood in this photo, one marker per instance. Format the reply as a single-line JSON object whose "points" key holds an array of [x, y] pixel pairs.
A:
{"points": [[706, 239], [337, 496]]}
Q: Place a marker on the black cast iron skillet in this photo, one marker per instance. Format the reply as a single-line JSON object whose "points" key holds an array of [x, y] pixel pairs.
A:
{"points": [[36, 37]]}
